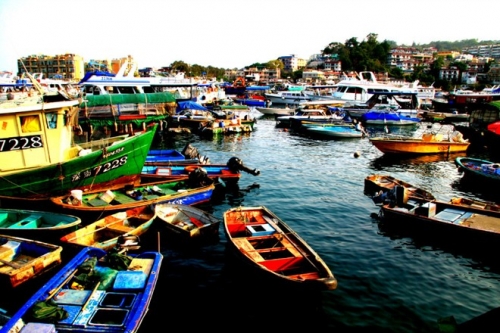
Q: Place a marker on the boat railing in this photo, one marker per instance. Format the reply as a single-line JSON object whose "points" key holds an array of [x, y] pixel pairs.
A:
{"points": [[97, 144]]}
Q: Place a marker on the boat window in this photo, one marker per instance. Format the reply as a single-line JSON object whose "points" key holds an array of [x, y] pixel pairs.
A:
{"points": [[51, 119], [126, 90], [30, 124]]}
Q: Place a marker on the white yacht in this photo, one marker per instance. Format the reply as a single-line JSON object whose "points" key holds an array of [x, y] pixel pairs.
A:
{"points": [[124, 82], [287, 97]]}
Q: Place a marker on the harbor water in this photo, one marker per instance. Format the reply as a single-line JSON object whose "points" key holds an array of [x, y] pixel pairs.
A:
{"points": [[386, 282]]}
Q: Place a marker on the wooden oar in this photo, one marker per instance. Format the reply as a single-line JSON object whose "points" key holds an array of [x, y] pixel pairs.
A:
{"points": [[55, 290], [11, 264], [90, 296]]}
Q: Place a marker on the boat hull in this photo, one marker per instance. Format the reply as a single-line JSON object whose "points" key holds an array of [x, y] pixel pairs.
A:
{"points": [[117, 200], [447, 223], [265, 243], [340, 132], [416, 146], [105, 233], [37, 225], [187, 223], [24, 259], [478, 169], [375, 183], [119, 306], [122, 160]]}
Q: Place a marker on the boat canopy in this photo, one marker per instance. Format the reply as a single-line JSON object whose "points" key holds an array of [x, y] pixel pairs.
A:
{"points": [[88, 75], [100, 100]]}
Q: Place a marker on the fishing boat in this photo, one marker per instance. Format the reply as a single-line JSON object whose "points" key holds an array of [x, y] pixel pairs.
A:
{"points": [[24, 259], [337, 131], [125, 113], [109, 299], [475, 227], [120, 199], [105, 233], [187, 222], [40, 159], [375, 183], [267, 243], [478, 169], [36, 224], [427, 144]]}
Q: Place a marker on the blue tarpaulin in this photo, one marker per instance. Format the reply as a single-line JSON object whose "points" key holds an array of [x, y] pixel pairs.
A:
{"points": [[191, 106]]}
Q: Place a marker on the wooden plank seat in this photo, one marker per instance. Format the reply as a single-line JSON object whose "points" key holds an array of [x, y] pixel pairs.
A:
{"points": [[29, 222]]}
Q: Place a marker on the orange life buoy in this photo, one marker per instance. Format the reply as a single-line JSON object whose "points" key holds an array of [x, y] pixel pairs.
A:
{"points": [[191, 168]]}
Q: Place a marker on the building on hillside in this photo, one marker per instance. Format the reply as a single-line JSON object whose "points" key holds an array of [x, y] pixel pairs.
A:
{"points": [[449, 74], [407, 58], [292, 63], [492, 51], [445, 54], [493, 74], [262, 75], [66, 66], [313, 76]]}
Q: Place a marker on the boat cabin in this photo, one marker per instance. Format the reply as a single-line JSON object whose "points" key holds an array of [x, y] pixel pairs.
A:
{"points": [[33, 136]]}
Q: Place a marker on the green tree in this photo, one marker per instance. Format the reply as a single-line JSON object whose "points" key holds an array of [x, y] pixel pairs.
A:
{"points": [[180, 66]]}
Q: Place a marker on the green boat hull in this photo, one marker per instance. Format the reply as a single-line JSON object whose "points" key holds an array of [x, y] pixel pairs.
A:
{"points": [[118, 163]]}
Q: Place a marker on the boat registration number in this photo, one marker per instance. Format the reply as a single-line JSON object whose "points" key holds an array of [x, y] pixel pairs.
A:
{"points": [[21, 142], [100, 169]]}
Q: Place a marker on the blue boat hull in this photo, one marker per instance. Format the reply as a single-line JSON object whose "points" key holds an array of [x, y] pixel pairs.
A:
{"points": [[91, 310]]}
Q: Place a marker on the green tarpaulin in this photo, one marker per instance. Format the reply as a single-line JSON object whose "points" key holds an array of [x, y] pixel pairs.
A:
{"points": [[100, 100]]}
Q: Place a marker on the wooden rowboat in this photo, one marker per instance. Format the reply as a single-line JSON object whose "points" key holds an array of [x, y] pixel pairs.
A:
{"points": [[480, 170], [105, 233], [112, 299], [187, 222], [376, 182], [36, 224], [268, 244], [117, 200], [478, 228], [24, 259]]}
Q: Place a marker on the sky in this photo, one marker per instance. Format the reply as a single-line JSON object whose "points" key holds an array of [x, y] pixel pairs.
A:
{"points": [[227, 33]]}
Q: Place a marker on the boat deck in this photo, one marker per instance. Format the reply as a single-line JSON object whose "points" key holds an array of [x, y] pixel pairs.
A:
{"points": [[457, 216]]}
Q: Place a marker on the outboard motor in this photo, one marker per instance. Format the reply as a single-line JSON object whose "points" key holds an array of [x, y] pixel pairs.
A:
{"points": [[199, 178], [190, 152], [235, 164]]}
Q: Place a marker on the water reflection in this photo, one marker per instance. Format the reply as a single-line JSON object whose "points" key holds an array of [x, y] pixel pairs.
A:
{"points": [[389, 160]]}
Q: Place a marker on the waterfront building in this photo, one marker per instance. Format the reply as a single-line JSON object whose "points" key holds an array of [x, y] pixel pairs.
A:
{"points": [[66, 66], [292, 63]]}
